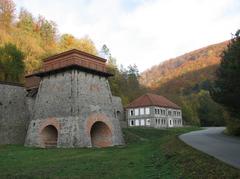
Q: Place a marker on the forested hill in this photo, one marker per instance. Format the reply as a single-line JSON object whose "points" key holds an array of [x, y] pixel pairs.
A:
{"points": [[188, 63], [186, 80]]}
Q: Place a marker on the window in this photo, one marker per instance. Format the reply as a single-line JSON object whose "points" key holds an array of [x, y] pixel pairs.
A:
{"points": [[158, 111], [141, 111], [164, 112], [118, 115], [148, 122], [179, 113], [169, 113], [155, 111], [170, 122], [142, 122], [131, 123], [136, 112], [162, 121], [136, 122], [156, 121], [147, 111], [131, 112]]}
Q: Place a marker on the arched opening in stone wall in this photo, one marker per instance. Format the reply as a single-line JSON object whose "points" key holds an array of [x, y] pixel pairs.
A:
{"points": [[49, 136], [119, 115], [101, 135]]}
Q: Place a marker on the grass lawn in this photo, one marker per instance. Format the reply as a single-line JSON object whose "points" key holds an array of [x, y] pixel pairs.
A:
{"points": [[149, 153]]}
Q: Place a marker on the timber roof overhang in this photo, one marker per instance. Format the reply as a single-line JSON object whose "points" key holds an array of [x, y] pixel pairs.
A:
{"points": [[69, 67]]}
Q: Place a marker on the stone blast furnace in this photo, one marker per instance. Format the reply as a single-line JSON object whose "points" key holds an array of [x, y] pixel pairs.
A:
{"points": [[70, 103]]}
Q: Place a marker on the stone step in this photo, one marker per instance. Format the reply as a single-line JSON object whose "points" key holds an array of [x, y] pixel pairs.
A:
{"points": [[51, 144]]}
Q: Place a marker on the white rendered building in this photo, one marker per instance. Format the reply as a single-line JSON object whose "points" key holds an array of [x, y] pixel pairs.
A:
{"points": [[152, 110]]}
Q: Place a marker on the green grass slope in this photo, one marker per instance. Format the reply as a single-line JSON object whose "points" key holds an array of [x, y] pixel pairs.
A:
{"points": [[149, 153]]}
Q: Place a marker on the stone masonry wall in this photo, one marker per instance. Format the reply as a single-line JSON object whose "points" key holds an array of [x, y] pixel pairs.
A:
{"points": [[119, 111], [13, 114], [72, 93]]}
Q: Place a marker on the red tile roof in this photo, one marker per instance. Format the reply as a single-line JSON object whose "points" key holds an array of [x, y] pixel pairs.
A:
{"points": [[152, 100]]}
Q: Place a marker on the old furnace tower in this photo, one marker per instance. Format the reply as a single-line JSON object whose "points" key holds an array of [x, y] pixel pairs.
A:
{"points": [[71, 104]]}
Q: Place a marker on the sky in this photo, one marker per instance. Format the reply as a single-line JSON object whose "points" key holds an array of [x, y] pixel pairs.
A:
{"points": [[142, 32]]}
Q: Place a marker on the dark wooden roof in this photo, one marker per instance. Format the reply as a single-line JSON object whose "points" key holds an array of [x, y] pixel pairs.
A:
{"points": [[152, 100], [74, 51]]}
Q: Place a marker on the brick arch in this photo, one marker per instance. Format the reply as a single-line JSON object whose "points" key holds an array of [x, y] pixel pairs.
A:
{"points": [[49, 132], [100, 130]]}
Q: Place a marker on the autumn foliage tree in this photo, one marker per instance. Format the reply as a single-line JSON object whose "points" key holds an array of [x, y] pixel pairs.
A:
{"points": [[7, 9], [68, 41], [36, 37], [11, 63]]}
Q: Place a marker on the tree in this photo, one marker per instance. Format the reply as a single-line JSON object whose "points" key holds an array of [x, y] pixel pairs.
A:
{"points": [[189, 105], [105, 52], [209, 112], [48, 33], [11, 63], [37, 37], [7, 9], [134, 88], [226, 89], [125, 82], [26, 21], [86, 44], [68, 42]]}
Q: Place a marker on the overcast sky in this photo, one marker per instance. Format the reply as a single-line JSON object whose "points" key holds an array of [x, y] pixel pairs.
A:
{"points": [[142, 32]]}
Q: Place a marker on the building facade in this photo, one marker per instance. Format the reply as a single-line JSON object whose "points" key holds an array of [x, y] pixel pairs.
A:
{"points": [[151, 110], [68, 104]]}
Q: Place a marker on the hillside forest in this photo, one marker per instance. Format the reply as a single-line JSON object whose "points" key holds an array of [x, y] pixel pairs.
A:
{"points": [[36, 37], [186, 79]]}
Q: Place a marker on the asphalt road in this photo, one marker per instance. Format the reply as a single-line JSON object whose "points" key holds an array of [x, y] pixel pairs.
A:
{"points": [[212, 141]]}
